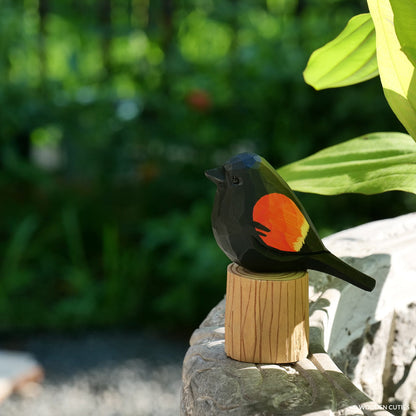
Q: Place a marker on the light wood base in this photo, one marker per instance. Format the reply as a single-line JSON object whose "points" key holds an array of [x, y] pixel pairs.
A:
{"points": [[266, 316]]}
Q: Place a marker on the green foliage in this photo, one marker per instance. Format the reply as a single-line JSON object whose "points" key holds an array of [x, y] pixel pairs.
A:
{"points": [[396, 71], [405, 23], [348, 59], [110, 112], [395, 30], [370, 164], [187, 266]]}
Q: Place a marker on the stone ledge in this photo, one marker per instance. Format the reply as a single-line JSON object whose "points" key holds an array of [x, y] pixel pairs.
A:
{"points": [[16, 370], [371, 337]]}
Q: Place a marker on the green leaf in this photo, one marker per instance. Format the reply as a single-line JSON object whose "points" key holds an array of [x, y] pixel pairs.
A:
{"points": [[349, 59], [405, 24], [397, 73], [369, 164]]}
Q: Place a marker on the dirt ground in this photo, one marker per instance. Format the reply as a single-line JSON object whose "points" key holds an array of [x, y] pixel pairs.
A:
{"points": [[100, 374]]}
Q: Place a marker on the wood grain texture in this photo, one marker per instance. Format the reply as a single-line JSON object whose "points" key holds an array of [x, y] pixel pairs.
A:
{"points": [[266, 316]]}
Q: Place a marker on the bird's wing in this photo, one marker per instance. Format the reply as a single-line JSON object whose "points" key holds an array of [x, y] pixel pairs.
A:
{"points": [[280, 223]]}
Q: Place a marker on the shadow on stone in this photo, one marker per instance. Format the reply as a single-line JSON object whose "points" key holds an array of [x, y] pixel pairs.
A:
{"points": [[371, 336]]}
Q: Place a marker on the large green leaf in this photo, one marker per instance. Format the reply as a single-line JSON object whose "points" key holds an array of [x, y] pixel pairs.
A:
{"points": [[349, 59], [397, 73], [405, 24], [370, 164]]}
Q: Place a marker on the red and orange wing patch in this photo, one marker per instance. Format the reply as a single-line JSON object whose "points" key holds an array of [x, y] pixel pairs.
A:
{"points": [[287, 226]]}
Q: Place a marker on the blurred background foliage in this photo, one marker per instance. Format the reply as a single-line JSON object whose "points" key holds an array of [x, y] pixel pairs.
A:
{"points": [[110, 112]]}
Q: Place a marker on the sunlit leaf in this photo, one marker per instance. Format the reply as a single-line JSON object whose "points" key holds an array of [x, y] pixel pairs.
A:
{"points": [[369, 164], [348, 59], [405, 25], [397, 73]]}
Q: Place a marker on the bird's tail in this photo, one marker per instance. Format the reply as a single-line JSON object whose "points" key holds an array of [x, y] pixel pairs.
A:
{"points": [[328, 263]]}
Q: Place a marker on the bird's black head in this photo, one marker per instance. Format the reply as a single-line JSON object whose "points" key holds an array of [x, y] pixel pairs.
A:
{"points": [[238, 186], [234, 170]]}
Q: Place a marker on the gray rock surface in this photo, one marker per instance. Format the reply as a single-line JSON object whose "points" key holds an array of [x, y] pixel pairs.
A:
{"points": [[370, 336], [373, 338]]}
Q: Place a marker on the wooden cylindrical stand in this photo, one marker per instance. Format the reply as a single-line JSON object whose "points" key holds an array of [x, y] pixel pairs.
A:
{"points": [[266, 316]]}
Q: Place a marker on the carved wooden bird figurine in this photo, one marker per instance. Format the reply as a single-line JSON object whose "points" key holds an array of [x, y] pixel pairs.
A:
{"points": [[260, 224]]}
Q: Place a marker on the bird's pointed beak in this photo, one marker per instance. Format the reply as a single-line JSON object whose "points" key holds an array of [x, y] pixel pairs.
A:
{"points": [[216, 175]]}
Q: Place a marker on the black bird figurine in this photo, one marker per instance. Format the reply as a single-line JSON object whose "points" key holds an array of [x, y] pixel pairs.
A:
{"points": [[260, 224]]}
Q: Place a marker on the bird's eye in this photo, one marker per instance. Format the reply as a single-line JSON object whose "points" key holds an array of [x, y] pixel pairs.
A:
{"points": [[235, 180]]}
